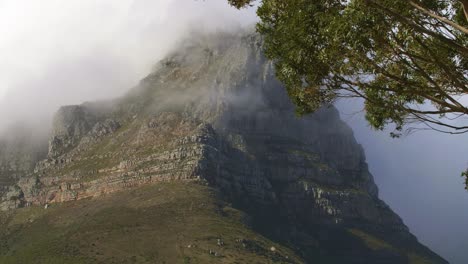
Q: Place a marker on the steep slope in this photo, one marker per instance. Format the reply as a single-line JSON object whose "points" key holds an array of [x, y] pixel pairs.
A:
{"points": [[164, 223], [212, 112], [20, 150]]}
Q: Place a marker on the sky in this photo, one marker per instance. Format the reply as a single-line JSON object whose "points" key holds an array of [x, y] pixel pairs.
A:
{"points": [[419, 176], [56, 52]]}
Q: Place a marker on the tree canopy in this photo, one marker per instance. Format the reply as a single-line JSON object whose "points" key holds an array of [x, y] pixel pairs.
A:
{"points": [[408, 59]]}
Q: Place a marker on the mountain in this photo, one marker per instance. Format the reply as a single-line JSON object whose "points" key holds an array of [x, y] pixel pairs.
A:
{"points": [[204, 161]]}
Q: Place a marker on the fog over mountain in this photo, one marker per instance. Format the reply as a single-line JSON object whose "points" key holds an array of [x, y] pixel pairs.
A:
{"points": [[58, 53], [55, 53]]}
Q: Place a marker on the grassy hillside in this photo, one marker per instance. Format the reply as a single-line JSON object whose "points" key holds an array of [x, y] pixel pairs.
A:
{"points": [[177, 222]]}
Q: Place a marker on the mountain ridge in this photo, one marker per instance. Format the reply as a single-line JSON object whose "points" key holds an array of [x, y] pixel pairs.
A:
{"points": [[212, 113]]}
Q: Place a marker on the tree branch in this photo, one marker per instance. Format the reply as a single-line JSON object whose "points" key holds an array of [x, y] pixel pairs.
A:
{"points": [[465, 7], [440, 18], [463, 50]]}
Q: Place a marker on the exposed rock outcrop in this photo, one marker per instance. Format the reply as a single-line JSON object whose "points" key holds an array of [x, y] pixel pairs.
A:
{"points": [[213, 112]]}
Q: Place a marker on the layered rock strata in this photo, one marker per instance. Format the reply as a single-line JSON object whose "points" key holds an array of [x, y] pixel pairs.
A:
{"points": [[213, 112]]}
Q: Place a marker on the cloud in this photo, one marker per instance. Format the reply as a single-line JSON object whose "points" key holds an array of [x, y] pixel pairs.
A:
{"points": [[56, 52], [65, 52]]}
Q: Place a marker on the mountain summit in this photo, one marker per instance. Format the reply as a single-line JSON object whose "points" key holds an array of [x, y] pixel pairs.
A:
{"points": [[204, 161]]}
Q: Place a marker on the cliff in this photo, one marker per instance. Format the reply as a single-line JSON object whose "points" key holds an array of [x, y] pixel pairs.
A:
{"points": [[212, 113]]}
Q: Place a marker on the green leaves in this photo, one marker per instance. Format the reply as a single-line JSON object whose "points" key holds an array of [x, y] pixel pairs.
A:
{"points": [[390, 53], [240, 3], [465, 175]]}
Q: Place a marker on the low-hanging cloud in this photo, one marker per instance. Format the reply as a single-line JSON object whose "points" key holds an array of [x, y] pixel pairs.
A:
{"points": [[56, 52], [65, 52]]}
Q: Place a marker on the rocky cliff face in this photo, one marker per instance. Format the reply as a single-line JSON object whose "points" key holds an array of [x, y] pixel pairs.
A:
{"points": [[19, 153], [213, 112]]}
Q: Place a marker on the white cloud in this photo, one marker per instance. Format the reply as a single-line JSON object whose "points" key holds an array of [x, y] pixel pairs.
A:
{"points": [[56, 52], [2, 92], [37, 34]]}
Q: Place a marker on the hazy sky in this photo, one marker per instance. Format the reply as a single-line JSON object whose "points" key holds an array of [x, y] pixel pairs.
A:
{"points": [[56, 52], [419, 177]]}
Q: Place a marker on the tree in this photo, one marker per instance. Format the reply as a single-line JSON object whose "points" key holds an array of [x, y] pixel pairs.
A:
{"points": [[408, 59], [240, 3]]}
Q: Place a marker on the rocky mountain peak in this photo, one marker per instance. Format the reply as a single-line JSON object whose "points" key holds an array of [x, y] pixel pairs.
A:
{"points": [[213, 112]]}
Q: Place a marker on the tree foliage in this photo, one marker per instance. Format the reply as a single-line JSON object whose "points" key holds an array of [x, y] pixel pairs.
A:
{"points": [[240, 3], [408, 59], [465, 175]]}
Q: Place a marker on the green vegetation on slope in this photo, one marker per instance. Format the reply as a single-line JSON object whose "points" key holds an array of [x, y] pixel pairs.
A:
{"points": [[161, 223], [375, 243]]}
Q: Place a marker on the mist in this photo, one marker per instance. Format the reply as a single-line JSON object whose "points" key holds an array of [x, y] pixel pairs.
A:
{"points": [[57, 52]]}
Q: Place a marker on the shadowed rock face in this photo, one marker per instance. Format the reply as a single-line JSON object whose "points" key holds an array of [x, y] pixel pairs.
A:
{"points": [[214, 112], [19, 153]]}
